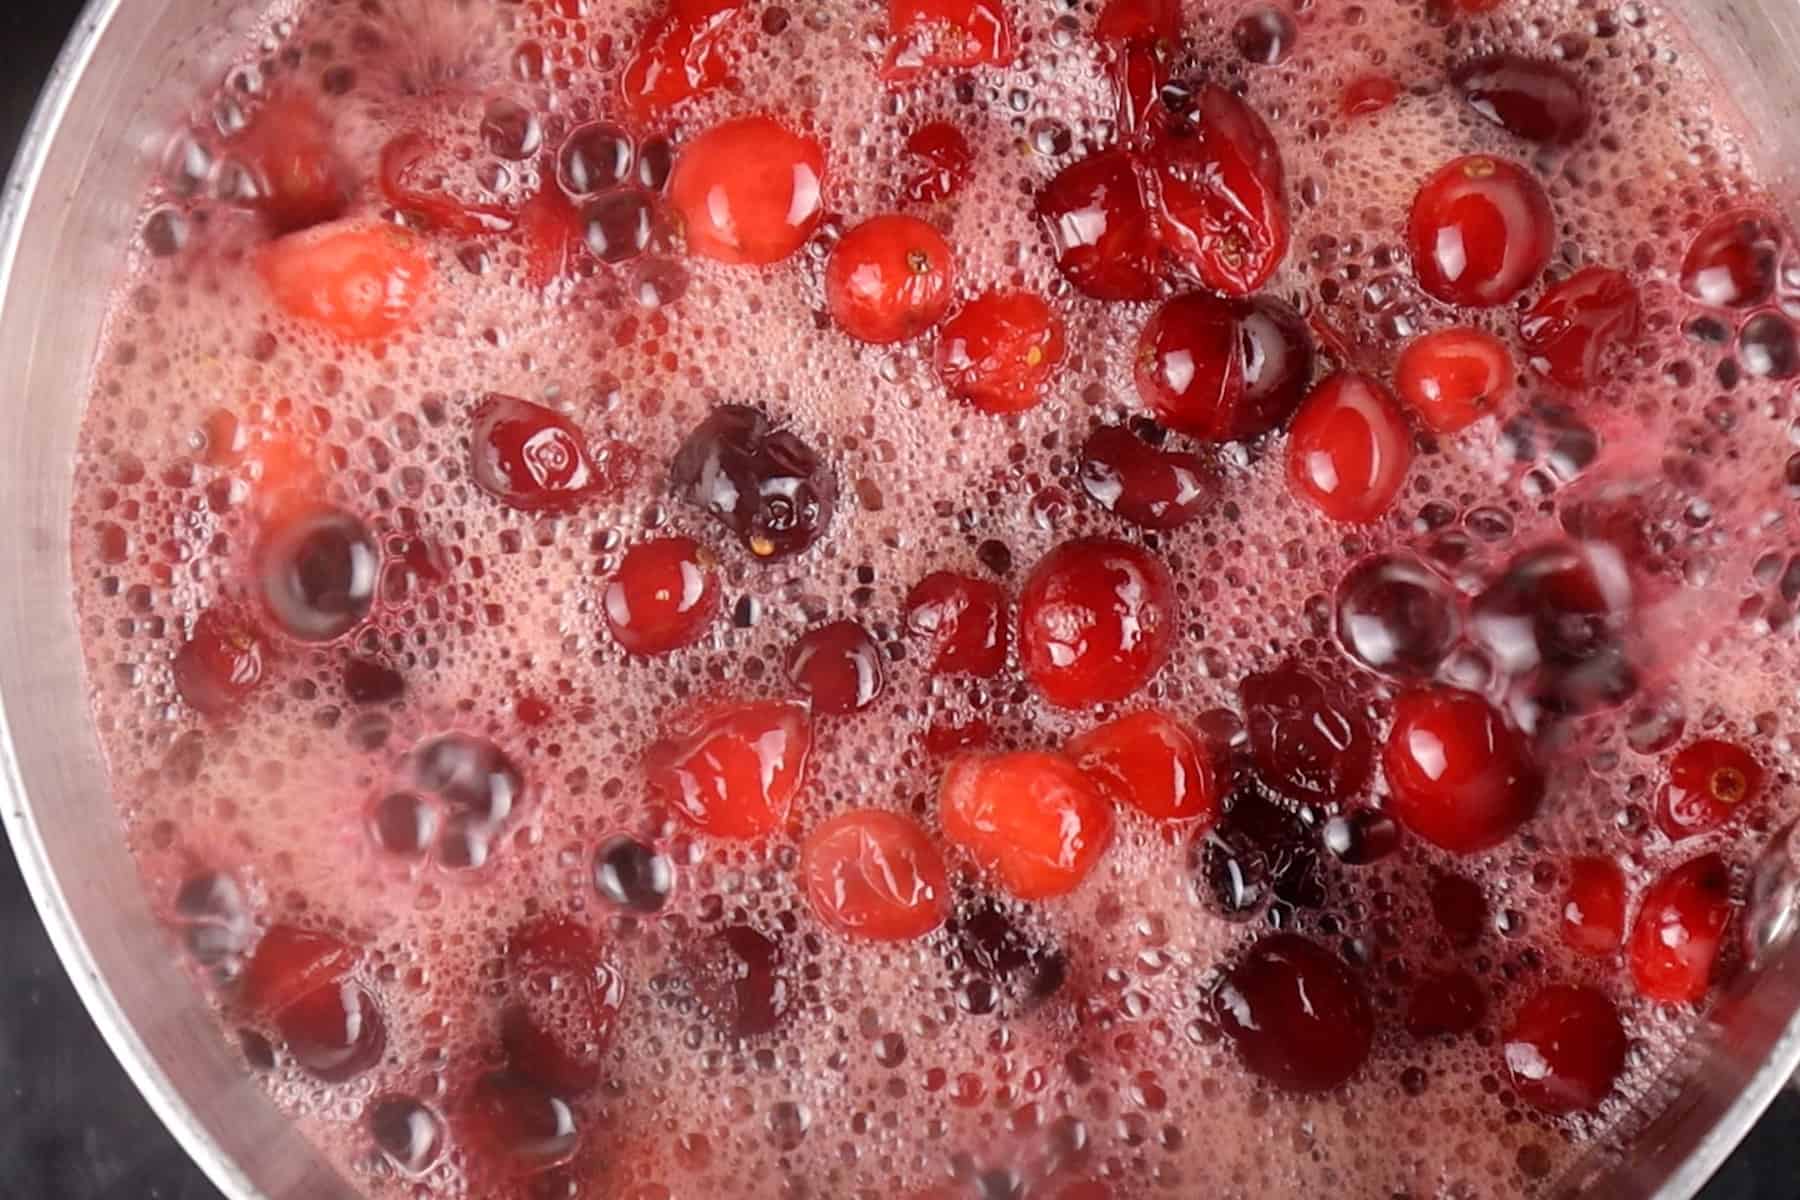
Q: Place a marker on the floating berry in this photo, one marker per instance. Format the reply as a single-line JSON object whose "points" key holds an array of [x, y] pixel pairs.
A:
{"points": [[838, 667], [1460, 777], [1148, 486], [1480, 232], [1222, 207], [1710, 782], [1035, 820], [736, 773], [1398, 615], [875, 875], [300, 179], [1307, 740], [889, 279], [1529, 98], [533, 458], [219, 665], [1454, 377], [316, 570], [682, 54], [1349, 449], [664, 597], [944, 163], [1593, 913], [564, 999], [1445, 1004], [1680, 926], [1152, 762], [1298, 1016], [748, 191], [1731, 262], [1096, 621], [303, 983], [360, 280], [927, 34], [1569, 331], [1098, 215], [1223, 370], [1000, 350], [762, 482], [965, 620], [1564, 1049]]}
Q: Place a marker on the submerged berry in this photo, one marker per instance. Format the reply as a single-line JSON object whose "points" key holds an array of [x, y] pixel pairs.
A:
{"points": [[1296, 1013], [219, 666], [317, 569], [1000, 351], [1529, 98], [1679, 931], [1564, 1049], [1710, 783], [1307, 739]]}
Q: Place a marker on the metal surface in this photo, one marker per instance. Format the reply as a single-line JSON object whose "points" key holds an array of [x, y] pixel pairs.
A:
{"points": [[130, 68]]}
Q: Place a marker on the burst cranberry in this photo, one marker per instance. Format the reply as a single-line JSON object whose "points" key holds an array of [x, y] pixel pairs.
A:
{"points": [[944, 163], [1731, 262], [1298, 1016], [1096, 621], [1680, 925], [927, 34], [998, 963], [1221, 206], [513, 1127], [1154, 763], [999, 351], [1570, 329], [965, 620], [534, 459], [1349, 449], [1261, 853], [1535, 100], [1593, 913], [1447, 1004], [407, 183], [735, 775], [1369, 94], [1138, 71], [1154, 488], [1481, 231], [889, 279], [748, 191], [1223, 370], [219, 665], [1307, 740], [1556, 621], [664, 597], [317, 569], [300, 179], [1097, 212], [1396, 614], [363, 281], [875, 875], [1454, 377], [302, 982], [838, 667], [1564, 1049], [739, 976], [1138, 20], [682, 54], [1460, 777], [1035, 820], [763, 483], [564, 1002], [1710, 782]]}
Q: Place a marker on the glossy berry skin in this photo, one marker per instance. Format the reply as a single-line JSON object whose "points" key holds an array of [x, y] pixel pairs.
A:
{"points": [[316, 571], [1529, 98], [682, 54], [1148, 486], [1569, 331], [925, 35], [1096, 621], [760, 481], [1593, 913], [1104, 234], [303, 983], [1731, 263], [1710, 783], [875, 875], [359, 280], [1446, 1004], [1152, 762], [1678, 931], [748, 191], [1306, 738], [1480, 232], [736, 773], [1221, 191], [1138, 20], [1369, 94], [533, 458], [943, 162], [889, 279], [1452, 378], [838, 668], [1035, 820], [965, 620], [1564, 1049], [300, 179], [1349, 449], [1298, 1016], [664, 597], [563, 1007], [1460, 777], [219, 666], [1000, 350], [1223, 370]]}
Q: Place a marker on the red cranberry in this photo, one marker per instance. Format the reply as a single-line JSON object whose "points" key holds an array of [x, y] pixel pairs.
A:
{"points": [[1459, 907], [1445, 1005], [735, 775], [997, 964], [594, 158], [1096, 621], [1397, 615], [928, 34], [1298, 1016], [1454, 377], [408, 1133], [1000, 351], [664, 597], [1535, 100], [564, 1003], [684, 53], [1481, 231], [369, 682], [1564, 1049], [532, 458], [219, 665], [317, 569], [1034, 820], [1222, 208], [512, 1126], [965, 620], [1139, 71], [875, 875], [740, 979], [633, 876], [1349, 449], [1098, 214], [838, 667], [1154, 763], [889, 279], [302, 982], [408, 182], [1260, 853], [1593, 914], [1569, 331], [1710, 782], [763, 483], [549, 227], [1307, 740], [1460, 777], [1154, 488], [944, 159], [1361, 836], [1679, 930], [289, 150], [1223, 370], [748, 191], [360, 280], [1731, 262]]}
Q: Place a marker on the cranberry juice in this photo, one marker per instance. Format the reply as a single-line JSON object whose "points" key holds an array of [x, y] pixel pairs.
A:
{"points": [[951, 598]]}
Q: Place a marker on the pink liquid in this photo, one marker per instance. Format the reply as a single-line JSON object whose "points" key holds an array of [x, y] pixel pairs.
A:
{"points": [[875, 1081]]}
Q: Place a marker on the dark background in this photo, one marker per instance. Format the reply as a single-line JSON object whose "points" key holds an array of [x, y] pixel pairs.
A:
{"points": [[72, 1127]]}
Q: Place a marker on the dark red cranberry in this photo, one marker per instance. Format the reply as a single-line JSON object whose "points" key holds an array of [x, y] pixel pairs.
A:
{"points": [[763, 483], [219, 665], [1259, 853], [1460, 908], [1460, 777], [1308, 741], [1564, 1049], [1096, 621], [512, 1126], [619, 225], [1221, 193], [1679, 931], [404, 823], [633, 876], [317, 570], [739, 978], [838, 667], [533, 458], [1361, 836], [1529, 98], [1481, 231], [944, 161], [1100, 222], [214, 915], [998, 965], [1298, 1016], [1569, 331], [1224, 370], [1397, 615], [407, 1132], [1265, 35], [964, 619], [369, 682], [1146, 485], [593, 159], [564, 1003], [1731, 262], [1446, 1004]]}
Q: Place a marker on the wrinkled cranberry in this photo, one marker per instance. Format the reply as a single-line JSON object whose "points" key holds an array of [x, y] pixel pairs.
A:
{"points": [[685, 52], [1308, 741], [1446, 1004], [998, 965], [1296, 1013], [1397, 615], [762, 482], [1146, 485], [219, 665], [1259, 853], [1569, 331], [1223, 370], [633, 876], [838, 667], [369, 682], [1731, 262], [1481, 231], [965, 620], [944, 162], [876, 875], [1000, 350], [1098, 215], [736, 773], [1096, 621], [1529, 98], [740, 979], [407, 1132], [533, 458], [1564, 1048], [317, 571], [1153, 762], [1221, 202], [1680, 930], [929, 34], [1036, 821]]}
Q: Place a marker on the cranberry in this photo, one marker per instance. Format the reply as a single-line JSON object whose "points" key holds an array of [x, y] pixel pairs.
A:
{"points": [[360, 280], [594, 158], [739, 978], [1000, 350], [736, 773], [1096, 621], [219, 665], [1454, 377], [1307, 740], [317, 569], [288, 149], [1154, 488], [1361, 836], [1593, 913], [1369, 94], [550, 227], [664, 597], [999, 965], [408, 1133], [1152, 762], [1034, 820], [633, 876], [302, 982], [762, 482], [875, 875], [748, 191], [889, 279], [837, 667], [1139, 71], [1569, 330], [1139, 20], [1535, 100], [1098, 214], [1564, 1049], [928, 34], [1731, 262], [682, 54], [965, 620], [1710, 782], [1349, 449], [512, 1126], [408, 184], [1397, 615], [1460, 777], [1679, 930], [1223, 370], [534, 459], [1298, 1016], [1259, 853], [944, 159], [1459, 907], [1222, 208], [1447, 1004], [564, 1002], [1481, 231], [369, 682]]}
